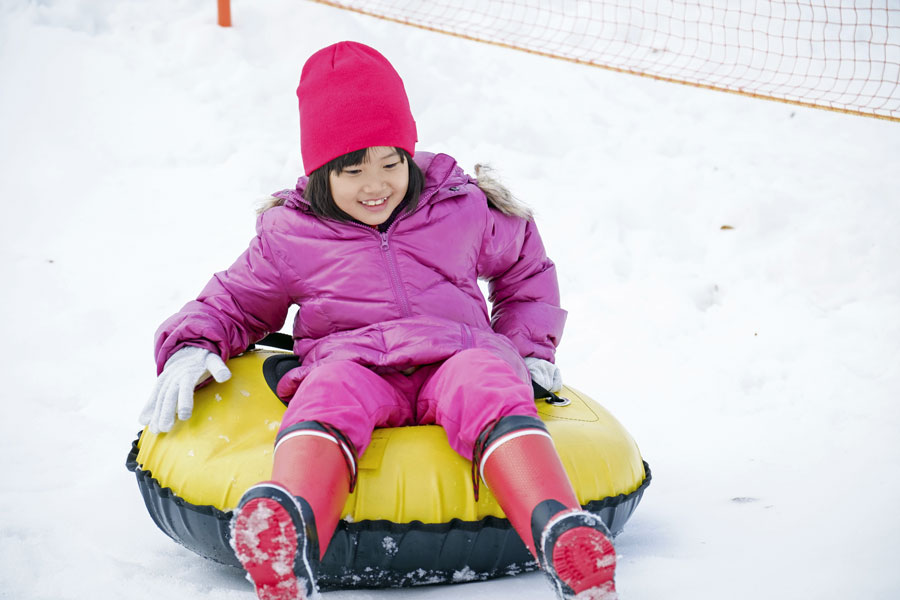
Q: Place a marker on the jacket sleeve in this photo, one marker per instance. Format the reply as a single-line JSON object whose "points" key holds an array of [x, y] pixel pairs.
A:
{"points": [[237, 307], [522, 285]]}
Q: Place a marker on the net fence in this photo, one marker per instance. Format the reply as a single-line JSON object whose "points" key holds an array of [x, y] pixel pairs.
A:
{"points": [[833, 54]]}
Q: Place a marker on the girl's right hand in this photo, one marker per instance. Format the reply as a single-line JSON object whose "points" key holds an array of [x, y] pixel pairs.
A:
{"points": [[174, 390], [544, 373]]}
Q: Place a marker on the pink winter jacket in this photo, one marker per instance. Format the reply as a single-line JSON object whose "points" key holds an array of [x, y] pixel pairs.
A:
{"points": [[403, 298]]}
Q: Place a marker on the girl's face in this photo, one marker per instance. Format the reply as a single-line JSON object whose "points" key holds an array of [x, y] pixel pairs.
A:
{"points": [[370, 191]]}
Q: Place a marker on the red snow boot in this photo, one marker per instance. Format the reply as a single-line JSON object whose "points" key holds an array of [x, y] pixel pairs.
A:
{"points": [[316, 462], [519, 463], [282, 528]]}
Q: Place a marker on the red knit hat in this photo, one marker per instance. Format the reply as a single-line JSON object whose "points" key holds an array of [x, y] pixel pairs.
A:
{"points": [[351, 98]]}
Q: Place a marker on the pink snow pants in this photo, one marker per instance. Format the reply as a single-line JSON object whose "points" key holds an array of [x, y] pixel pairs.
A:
{"points": [[463, 394]]}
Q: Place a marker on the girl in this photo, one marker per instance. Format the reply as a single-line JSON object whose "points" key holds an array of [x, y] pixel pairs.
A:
{"points": [[381, 247]]}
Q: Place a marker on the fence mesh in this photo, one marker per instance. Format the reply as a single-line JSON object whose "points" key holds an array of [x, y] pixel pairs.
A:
{"points": [[835, 54]]}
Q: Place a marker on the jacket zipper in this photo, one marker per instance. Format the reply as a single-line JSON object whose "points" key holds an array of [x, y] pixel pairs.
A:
{"points": [[396, 283]]}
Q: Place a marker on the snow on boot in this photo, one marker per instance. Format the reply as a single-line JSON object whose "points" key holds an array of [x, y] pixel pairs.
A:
{"points": [[579, 557], [273, 535]]}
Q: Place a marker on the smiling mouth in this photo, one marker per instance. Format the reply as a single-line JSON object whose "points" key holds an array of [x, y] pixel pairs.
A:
{"points": [[375, 202]]}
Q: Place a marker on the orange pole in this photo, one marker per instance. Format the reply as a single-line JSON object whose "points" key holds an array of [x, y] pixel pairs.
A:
{"points": [[225, 13]]}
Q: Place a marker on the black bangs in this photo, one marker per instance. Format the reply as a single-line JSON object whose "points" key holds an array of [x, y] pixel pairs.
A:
{"points": [[318, 187], [351, 159]]}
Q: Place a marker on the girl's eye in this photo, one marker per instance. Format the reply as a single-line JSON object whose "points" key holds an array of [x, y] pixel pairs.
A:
{"points": [[391, 165], [351, 171]]}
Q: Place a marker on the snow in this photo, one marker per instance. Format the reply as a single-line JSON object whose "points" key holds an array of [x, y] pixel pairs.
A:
{"points": [[757, 366], [390, 546], [465, 574]]}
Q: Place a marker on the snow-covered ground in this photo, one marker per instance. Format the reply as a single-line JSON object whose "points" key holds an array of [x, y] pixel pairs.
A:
{"points": [[758, 367]]}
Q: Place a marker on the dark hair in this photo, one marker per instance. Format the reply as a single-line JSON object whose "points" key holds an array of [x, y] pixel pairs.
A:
{"points": [[318, 188]]}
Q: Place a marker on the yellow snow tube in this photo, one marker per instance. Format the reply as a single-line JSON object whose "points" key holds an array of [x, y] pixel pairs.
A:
{"points": [[408, 476]]}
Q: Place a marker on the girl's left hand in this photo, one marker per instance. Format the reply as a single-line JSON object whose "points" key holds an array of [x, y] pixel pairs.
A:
{"points": [[544, 373]]}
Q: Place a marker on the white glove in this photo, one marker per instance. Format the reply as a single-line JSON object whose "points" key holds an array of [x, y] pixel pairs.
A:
{"points": [[544, 373], [174, 389]]}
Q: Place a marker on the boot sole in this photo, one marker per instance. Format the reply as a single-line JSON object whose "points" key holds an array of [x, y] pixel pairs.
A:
{"points": [[580, 558], [266, 542]]}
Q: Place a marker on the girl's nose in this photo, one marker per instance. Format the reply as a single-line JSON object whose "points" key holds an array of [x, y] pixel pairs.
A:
{"points": [[373, 185]]}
